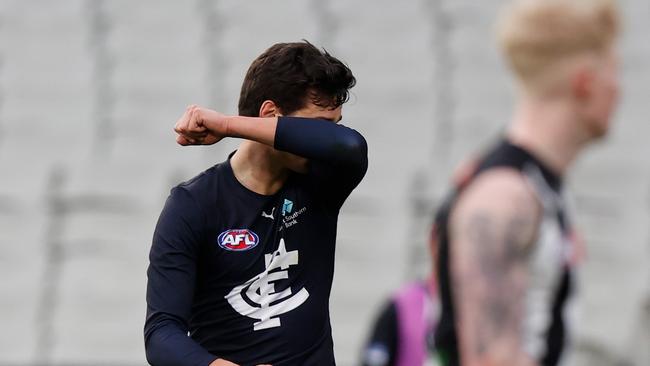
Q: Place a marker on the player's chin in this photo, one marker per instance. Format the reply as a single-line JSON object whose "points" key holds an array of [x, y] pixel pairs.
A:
{"points": [[600, 131], [597, 129]]}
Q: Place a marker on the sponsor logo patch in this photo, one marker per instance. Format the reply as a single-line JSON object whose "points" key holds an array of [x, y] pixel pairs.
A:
{"points": [[238, 240], [287, 207]]}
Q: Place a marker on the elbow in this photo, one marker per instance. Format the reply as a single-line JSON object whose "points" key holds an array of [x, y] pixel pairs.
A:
{"points": [[151, 352], [151, 358], [354, 148], [159, 353], [150, 355], [155, 346]]}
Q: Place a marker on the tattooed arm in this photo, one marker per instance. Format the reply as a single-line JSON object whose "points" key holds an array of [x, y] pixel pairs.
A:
{"points": [[493, 228]]}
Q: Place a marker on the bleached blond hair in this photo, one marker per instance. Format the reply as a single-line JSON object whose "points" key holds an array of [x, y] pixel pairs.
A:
{"points": [[537, 37]]}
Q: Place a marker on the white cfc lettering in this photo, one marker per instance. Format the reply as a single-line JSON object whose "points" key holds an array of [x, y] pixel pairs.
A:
{"points": [[260, 290]]}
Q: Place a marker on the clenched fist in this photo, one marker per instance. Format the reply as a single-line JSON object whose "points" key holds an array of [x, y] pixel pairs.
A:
{"points": [[201, 126]]}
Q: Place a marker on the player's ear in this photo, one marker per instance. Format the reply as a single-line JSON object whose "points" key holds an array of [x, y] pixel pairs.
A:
{"points": [[269, 109], [582, 83]]}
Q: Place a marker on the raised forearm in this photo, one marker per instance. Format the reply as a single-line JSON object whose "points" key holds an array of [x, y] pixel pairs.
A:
{"points": [[202, 126], [310, 138], [259, 129]]}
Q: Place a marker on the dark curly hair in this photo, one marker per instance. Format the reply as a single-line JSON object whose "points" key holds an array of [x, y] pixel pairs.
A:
{"points": [[291, 74]]}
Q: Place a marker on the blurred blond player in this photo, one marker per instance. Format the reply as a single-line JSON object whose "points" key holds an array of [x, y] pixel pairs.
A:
{"points": [[506, 252]]}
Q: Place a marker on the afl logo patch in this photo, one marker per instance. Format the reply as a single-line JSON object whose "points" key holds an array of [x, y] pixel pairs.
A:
{"points": [[238, 240]]}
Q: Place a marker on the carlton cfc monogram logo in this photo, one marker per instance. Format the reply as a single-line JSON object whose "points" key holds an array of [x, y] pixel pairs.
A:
{"points": [[238, 240], [258, 298]]}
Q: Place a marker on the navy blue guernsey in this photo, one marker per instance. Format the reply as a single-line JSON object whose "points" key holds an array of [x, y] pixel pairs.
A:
{"points": [[247, 277]]}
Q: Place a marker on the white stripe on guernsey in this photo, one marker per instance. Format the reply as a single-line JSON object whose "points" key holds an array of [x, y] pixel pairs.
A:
{"points": [[546, 266], [550, 200], [570, 315]]}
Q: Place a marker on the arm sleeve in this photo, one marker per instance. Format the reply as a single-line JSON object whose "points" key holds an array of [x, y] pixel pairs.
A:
{"points": [[338, 155], [170, 286], [381, 348]]}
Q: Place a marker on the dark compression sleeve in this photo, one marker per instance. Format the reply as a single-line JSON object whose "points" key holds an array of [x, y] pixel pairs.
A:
{"points": [[338, 155], [170, 286]]}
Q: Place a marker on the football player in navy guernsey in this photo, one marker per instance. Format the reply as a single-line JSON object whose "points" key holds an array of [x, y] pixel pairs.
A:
{"points": [[506, 254], [242, 258]]}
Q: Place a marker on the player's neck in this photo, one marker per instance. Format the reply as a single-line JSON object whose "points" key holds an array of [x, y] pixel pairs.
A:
{"points": [[256, 168], [548, 130]]}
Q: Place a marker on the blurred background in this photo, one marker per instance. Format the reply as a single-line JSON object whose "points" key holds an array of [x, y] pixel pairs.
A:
{"points": [[90, 90]]}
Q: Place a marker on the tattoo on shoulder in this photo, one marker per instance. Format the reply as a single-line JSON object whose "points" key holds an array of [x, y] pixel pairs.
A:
{"points": [[501, 247]]}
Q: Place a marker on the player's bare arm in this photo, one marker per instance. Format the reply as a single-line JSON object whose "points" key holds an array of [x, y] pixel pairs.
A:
{"points": [[492, 230], [202, 126]]}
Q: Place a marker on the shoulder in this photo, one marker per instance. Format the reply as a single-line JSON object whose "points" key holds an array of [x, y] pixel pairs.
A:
{"points": [[354, 138], [498, 198], [501, 189], [201, 188]]}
